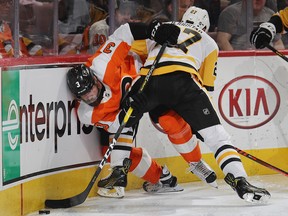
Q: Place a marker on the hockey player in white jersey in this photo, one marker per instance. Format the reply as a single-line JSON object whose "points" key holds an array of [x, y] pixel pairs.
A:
{"points": [[178, 84], [177, 130]]}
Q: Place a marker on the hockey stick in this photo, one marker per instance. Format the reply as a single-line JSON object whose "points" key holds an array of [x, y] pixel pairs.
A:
{"points": [[80, 198], [277, 52], [251, 157]]}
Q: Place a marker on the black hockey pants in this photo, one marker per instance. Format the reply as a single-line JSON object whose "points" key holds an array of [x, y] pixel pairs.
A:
{"points": [[178, 91]]}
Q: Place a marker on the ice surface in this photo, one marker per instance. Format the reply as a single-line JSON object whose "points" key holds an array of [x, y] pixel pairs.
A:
{"points": [[197, 199]]}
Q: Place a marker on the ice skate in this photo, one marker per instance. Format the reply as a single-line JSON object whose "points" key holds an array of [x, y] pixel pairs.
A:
{"points": [[203, 171], [247, 191], [114, 185], [166, 183]]}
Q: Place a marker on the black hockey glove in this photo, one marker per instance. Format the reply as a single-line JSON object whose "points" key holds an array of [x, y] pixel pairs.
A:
{"points": [[138, 102], [263, 35], [162, 33]]}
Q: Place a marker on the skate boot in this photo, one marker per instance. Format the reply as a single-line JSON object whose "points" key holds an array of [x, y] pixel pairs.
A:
{"points": [[203, 171], [247, 191], [166, 183], [114, 184]]}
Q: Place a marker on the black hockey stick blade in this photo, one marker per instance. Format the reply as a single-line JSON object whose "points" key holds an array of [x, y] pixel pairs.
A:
{"points": [[66, 203], [77, 199], [80, 198], [263, 163]]}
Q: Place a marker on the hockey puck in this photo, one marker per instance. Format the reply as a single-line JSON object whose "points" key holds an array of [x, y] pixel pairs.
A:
{"points": [[42, 212]]}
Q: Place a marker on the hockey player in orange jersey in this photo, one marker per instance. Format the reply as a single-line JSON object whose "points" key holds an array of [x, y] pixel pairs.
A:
{"points": [[101, 85], [266, 31], [116, 52]]}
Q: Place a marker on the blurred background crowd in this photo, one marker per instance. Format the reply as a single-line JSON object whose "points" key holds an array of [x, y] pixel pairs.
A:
{"points": [[64, 27]]}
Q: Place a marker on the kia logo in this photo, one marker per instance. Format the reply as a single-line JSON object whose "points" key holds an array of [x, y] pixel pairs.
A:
{"points": [[248, 102]]}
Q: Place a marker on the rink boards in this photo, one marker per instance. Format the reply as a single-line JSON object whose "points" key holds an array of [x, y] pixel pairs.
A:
{"points": [[46, 150]]}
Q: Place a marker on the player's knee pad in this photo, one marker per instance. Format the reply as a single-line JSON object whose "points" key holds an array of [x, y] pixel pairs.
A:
{"points": [[215, 137], [175, 127]]}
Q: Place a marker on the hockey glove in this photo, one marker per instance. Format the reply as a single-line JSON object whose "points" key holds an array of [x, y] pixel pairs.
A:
{"points": [[263, 35], [162, 33], [138, 102]]}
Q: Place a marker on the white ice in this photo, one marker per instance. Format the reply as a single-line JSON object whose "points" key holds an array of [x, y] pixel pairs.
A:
{"points": [[197, 199]]}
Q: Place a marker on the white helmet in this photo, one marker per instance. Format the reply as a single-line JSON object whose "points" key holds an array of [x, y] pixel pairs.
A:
{"points": [[197, 17]]}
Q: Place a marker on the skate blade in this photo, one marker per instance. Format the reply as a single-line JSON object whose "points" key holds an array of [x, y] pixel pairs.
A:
{"points": [[116, 192], [177, 188], [213, 184], [256, 198]]}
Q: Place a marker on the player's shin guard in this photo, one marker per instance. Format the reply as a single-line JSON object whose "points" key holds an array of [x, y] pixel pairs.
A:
{"points": [[247, 191], [166, 183], [157, 179], [114, 184], [180, 134], [218, 140]]}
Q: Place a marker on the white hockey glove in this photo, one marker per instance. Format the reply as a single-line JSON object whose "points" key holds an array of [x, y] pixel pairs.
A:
{"points": [[263, 35]]}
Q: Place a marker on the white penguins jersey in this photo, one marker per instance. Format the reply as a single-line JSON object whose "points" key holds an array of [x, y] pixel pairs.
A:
{"points": [[196, 53]]}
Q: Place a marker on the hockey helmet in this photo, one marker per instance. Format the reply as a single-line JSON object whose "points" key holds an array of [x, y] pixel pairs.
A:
{"points": [[80, 80], [197, 17]]}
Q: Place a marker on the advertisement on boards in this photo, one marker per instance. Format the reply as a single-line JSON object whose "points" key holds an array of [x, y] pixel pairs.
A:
{"points": [[40, 131], [251, 99], [41, 134]]}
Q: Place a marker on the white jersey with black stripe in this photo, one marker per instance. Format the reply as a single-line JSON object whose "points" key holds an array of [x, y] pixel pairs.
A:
{"points": [[196, 53]]}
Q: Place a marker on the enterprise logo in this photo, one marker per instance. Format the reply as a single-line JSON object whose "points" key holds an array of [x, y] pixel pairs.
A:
{"points": [[11, 124]]}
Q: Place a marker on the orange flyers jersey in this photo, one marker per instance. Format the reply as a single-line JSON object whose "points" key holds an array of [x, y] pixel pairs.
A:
{"points": [[6, 39], [198, 55], [116, 67], [5, 31], [284, 18], [27, 47]]}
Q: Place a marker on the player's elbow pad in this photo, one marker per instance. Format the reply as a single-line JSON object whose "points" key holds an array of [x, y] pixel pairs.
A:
{"points": [[138, 30], [277, 22]]}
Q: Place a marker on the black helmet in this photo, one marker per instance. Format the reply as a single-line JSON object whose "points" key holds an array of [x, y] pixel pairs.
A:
{"points": [[80, 80]]}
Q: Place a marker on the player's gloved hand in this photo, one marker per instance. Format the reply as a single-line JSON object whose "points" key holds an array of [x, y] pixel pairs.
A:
{"points": [[263, 35], [162, 33], [139, 103]]}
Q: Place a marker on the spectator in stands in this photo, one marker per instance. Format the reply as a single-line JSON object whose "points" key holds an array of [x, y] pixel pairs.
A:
{"points": [[166, 13], [155, 5], [99, 31], [232, 30], [98, 10], [281, 4], [78, 42], [213, 9], [74, 16], [143, 14], [26, 46], [272, 4]]}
